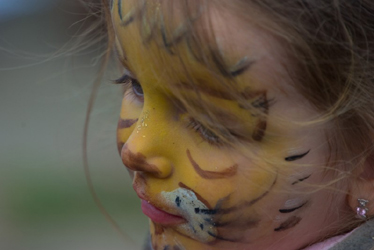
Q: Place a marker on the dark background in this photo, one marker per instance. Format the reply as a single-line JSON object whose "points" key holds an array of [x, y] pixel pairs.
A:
{"points": [[44, 198]]}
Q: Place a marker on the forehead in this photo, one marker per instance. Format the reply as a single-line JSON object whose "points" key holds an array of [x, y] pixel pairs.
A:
{"points": [[151, 40]]}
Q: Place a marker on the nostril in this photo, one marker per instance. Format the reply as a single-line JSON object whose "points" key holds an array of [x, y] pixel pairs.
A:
{"points": [[163, 165], [138, 162]]}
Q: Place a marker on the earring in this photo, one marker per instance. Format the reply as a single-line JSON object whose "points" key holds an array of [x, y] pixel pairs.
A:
{"points": [[361, 209]]}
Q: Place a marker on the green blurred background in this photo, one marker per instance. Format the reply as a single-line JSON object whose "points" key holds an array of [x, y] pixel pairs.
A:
{"points": [[44, 198]]}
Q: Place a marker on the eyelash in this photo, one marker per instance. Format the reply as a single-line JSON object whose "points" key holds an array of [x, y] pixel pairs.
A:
{"points": [[205, 133], [131, 86]]}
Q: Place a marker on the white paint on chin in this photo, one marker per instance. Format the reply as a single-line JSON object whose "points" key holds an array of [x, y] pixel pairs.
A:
{"points": [[293, 203], [199, 225]]}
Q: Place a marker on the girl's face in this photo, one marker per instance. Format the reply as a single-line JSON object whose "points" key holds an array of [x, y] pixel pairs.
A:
{"points": [[198, 191]]}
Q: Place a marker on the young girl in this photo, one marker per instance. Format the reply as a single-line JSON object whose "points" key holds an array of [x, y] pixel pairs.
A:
{"points": [[249, 124]]}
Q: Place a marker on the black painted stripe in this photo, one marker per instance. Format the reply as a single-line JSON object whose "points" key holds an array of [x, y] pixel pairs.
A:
{"points": [[241, 66], [290, 210], [120, 9], [302, 179], [296, 157]]}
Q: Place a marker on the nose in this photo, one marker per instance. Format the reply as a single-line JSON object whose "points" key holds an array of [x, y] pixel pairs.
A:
{"points": [[157, 166], [146, 150]]}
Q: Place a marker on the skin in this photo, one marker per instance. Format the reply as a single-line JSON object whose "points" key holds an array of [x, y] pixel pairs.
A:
{"points": [[265, 199]]}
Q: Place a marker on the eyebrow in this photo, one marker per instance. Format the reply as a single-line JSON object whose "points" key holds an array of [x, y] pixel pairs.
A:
{"points": [[224, 116], [247, 93]]}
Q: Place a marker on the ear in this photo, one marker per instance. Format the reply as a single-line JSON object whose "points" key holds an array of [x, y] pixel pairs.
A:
{"points": [[362, 187]]}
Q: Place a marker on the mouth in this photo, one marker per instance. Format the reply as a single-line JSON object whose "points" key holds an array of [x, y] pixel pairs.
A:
{"points": [[179, 209], [160, 216], [157, 212], [185, 216]]}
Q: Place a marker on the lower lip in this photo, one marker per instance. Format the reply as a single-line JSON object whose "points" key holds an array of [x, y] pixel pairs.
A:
{"points": [[159, 216]]}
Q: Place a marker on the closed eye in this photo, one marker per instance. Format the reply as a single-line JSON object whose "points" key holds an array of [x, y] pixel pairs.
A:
{"points": [[204, 132]]}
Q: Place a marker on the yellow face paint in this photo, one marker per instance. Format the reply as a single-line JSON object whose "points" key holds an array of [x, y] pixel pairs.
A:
{"points": [[201, 195]]}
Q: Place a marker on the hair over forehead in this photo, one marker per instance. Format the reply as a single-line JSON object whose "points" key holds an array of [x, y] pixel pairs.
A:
{"points": [[179, 36], [177, 26]]}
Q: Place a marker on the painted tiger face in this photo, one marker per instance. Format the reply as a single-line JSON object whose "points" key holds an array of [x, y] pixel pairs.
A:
{"points": [[199, 191]]}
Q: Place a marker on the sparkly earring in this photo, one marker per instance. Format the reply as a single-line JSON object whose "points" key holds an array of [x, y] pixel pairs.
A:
{"points": [[361, 209]]}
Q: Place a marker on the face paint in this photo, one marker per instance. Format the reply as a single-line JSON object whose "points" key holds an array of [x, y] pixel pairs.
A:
{"points": [[111, 5], [143, 122], [290, 204], [296, 157], [289, 223], [301, 179], [208, 194], [290, 210], [199, 224], [230, 171]]}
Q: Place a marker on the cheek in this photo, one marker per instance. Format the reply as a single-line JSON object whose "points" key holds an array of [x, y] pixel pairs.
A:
{"points": [[234, 184]]}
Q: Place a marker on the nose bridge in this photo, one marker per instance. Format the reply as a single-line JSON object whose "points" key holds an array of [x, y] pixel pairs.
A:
{"points": [[146, 149], [148, 135]]}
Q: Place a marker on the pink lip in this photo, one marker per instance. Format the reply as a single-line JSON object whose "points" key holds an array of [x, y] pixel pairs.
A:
{"points": [[160, 216]]}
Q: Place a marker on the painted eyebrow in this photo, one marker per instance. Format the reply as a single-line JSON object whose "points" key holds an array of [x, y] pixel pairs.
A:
{"points": [[225, 117], [203, 87]]}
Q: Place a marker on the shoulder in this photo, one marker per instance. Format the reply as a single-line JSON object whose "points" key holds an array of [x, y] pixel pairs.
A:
{"points": [[361, 238], [147, 243]]}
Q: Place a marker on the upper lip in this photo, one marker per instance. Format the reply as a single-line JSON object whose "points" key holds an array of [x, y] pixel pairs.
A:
{"points": [[143, 196]]}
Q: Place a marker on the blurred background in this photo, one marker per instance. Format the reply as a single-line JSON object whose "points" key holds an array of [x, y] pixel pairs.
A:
{"points": [[44, 199]]}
